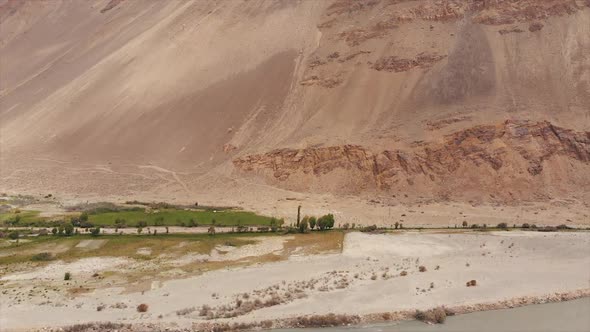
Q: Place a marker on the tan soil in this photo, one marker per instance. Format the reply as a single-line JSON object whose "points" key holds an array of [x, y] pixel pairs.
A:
{"points": [[553, 265]]}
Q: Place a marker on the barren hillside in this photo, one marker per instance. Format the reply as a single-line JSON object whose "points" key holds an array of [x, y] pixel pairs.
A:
{"points": [[253, 100]]}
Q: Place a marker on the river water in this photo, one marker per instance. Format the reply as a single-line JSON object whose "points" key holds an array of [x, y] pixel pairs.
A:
{"points": [[570, 316]]}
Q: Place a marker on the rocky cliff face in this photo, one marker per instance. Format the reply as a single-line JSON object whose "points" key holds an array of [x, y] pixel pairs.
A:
{"points": [[338, 96], [517, 149]]}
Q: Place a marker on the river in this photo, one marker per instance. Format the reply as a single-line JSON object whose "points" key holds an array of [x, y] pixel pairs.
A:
{"points": [[570, 316]]}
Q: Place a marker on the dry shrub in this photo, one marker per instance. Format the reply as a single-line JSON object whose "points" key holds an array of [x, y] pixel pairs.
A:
{"points": [[142, 307], [440, 315], [42, 257], [326, 320], [436, 316], [403, 273], [471, 283], [100, 308], [185, 311], [386, 316], [119, 305], [449, 312], [93, 327], [422, 268], [205, 309]]}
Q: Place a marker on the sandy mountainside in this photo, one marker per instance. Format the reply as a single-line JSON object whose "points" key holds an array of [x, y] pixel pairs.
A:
{"points": [[481, 100]]}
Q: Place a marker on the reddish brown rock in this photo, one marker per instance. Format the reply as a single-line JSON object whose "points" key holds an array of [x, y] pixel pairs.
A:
{"points": [[395, 64], [515, 144]]}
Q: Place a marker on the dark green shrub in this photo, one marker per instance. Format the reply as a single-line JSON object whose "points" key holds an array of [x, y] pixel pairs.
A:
{"points": [[371, 228], [120, 223], [67, 276], [42, 257], [14, 235], [69, 230], [95, 231], [502, 225]]}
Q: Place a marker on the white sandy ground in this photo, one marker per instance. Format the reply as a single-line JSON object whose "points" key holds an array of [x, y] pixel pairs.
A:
{"points": [[504, 265]]}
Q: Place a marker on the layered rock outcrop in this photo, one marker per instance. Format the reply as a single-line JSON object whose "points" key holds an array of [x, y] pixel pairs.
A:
{"points": [[514, 146]]}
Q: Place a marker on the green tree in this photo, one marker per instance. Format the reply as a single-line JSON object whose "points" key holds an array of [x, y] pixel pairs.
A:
{"points": [[84, 217], [273, 224], [14, 235], [54, 231], [69, 229], [303, 225], [312, 222], [298, 214], [326, 221], [95, 231], [464, 224]]}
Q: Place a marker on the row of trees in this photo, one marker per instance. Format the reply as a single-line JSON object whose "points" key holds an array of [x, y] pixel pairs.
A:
{"points": [[322, 223]]}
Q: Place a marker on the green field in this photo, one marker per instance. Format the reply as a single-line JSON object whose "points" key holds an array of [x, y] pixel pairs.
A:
{"points": [[25, 217], [132, 218], [175, 217], [64, 248]]}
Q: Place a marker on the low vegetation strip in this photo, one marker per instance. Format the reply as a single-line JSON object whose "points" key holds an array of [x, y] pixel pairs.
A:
{"points": [[118, 246], [137, 217], [174, 217]]}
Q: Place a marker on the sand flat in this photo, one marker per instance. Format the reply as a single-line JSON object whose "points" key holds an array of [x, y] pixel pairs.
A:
{"points": [[369, 267]]}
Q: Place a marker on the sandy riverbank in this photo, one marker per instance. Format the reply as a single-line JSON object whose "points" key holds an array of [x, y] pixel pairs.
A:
{"points": [[364, 279]]}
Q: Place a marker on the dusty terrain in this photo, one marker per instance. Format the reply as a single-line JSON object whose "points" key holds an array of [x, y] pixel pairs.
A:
{"points": [[250, 102], [426, 113], [361, 276]]}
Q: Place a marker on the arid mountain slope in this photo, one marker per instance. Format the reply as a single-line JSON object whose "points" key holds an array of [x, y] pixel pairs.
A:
{"points": [[451, 100]]}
